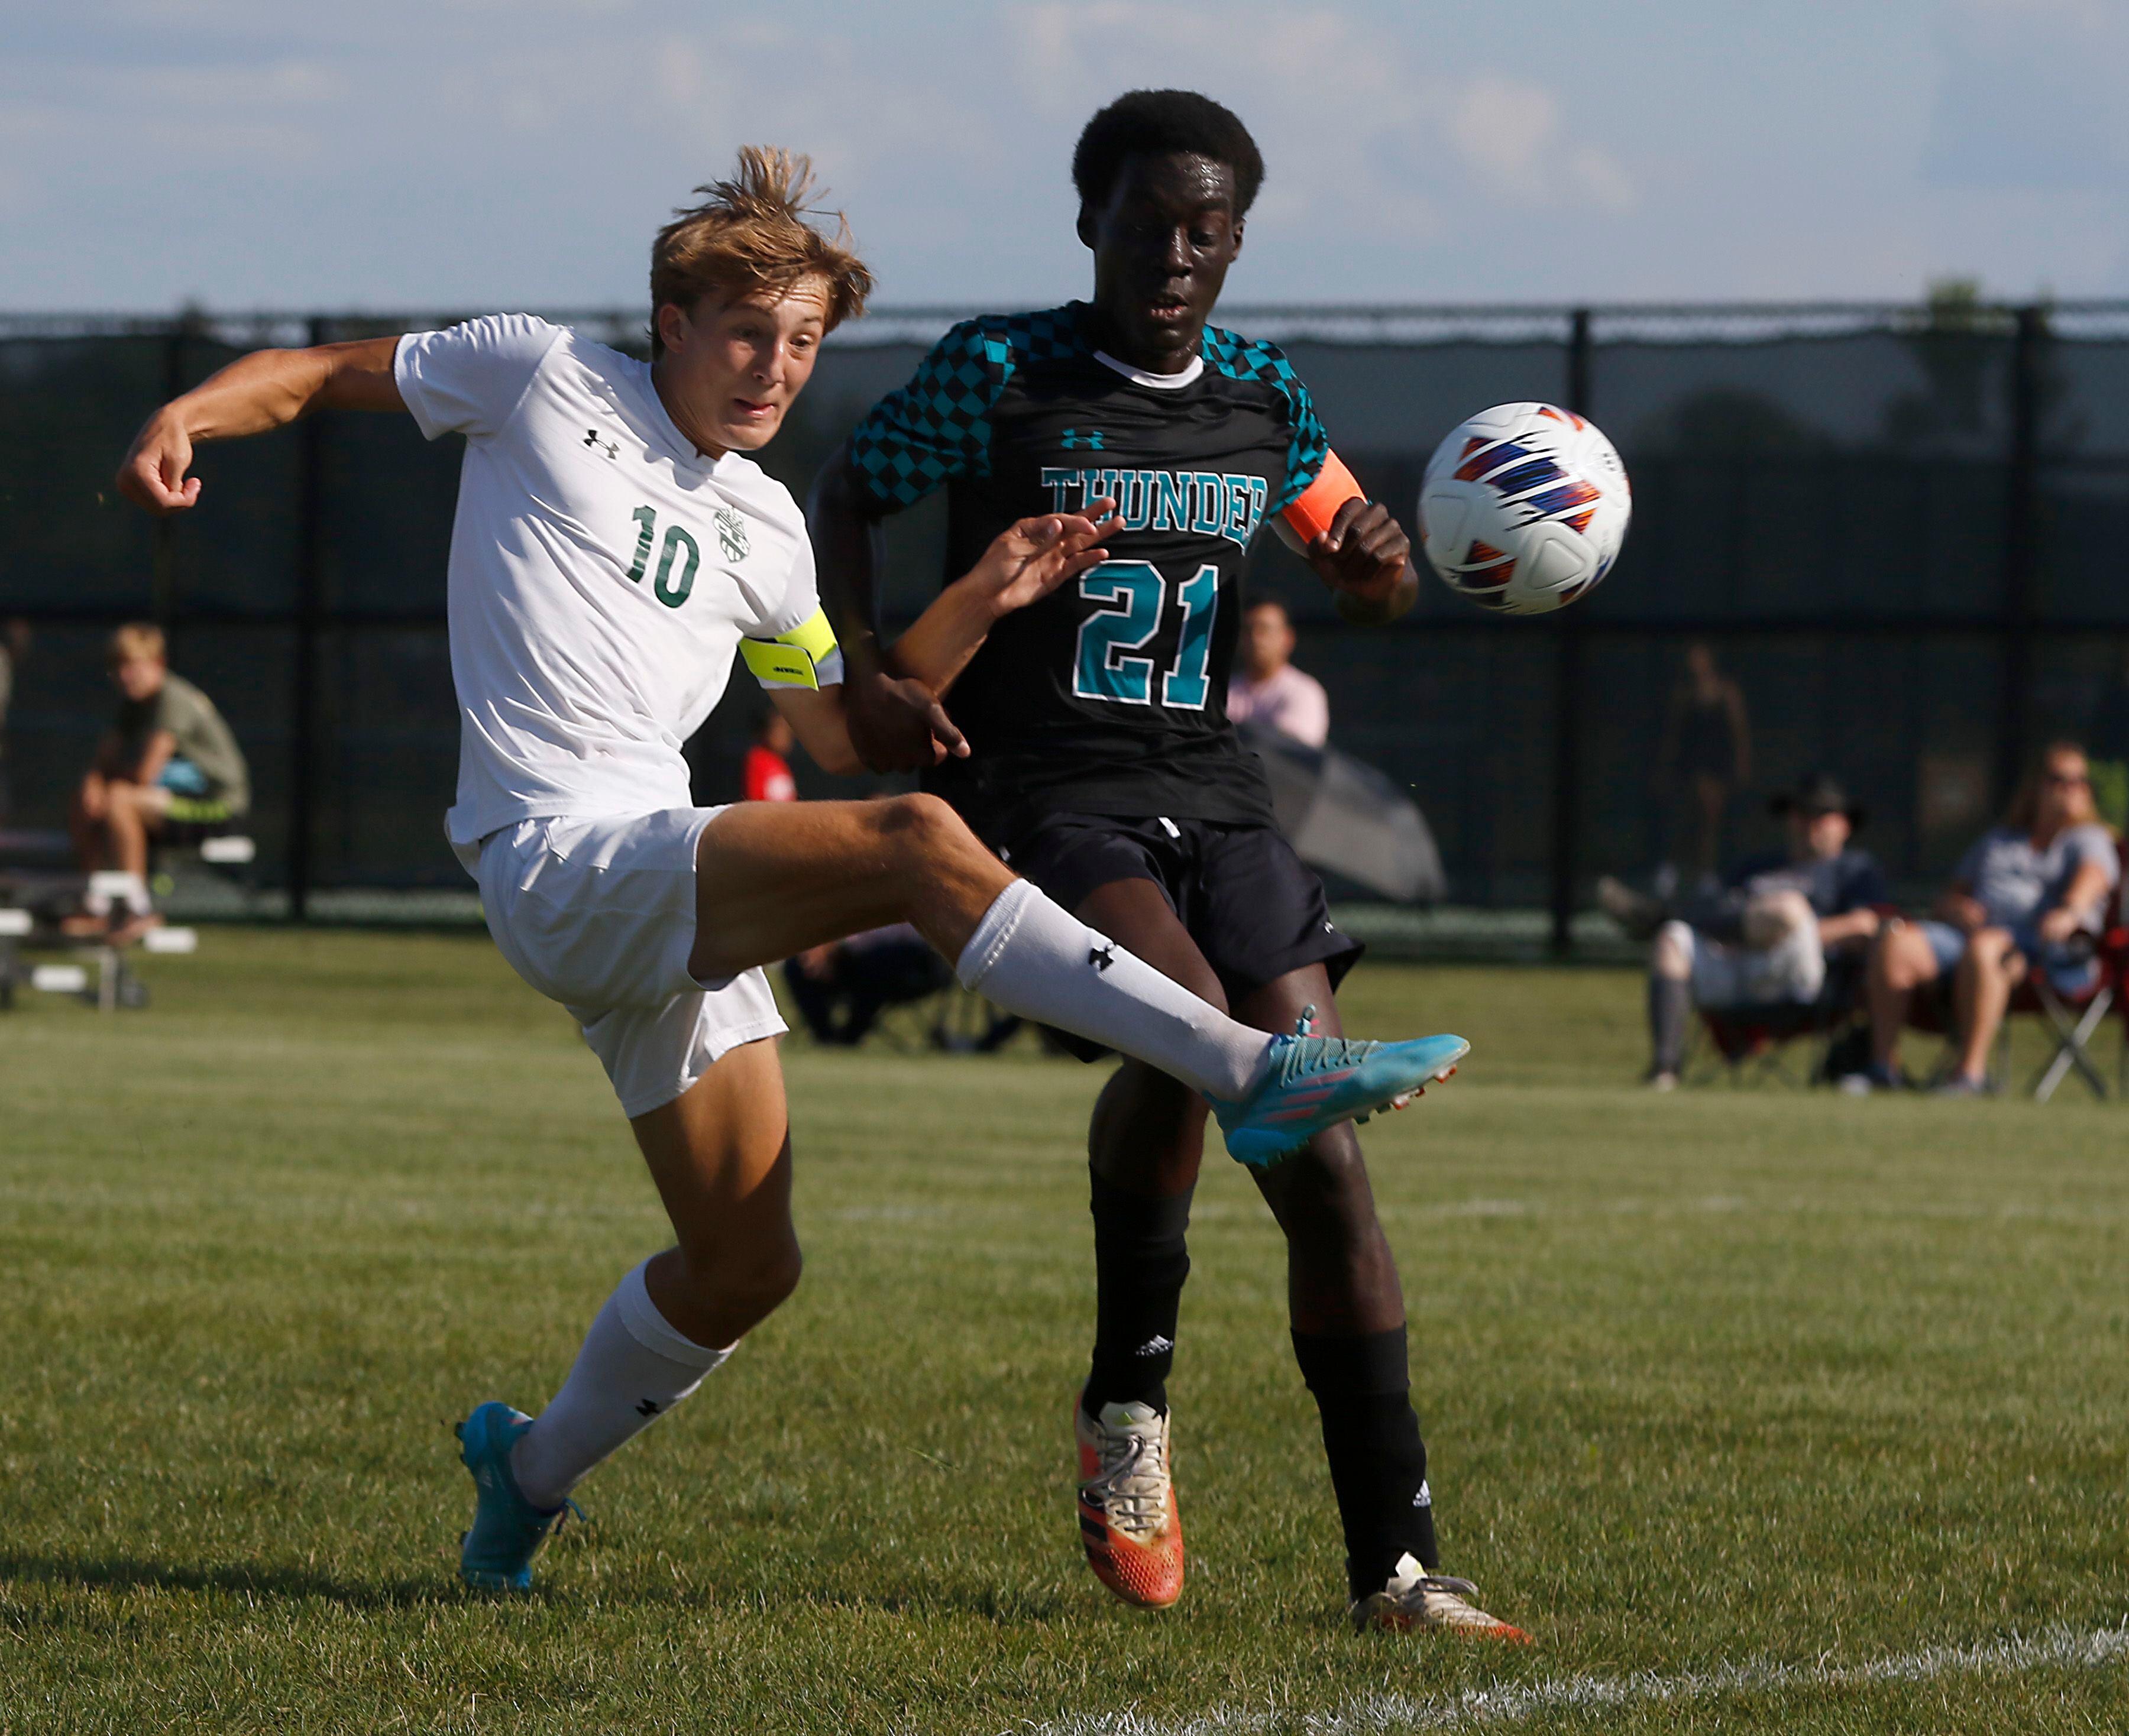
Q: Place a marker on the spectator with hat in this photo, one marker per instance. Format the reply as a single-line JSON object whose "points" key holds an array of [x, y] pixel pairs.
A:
{"points": [[1769, 936]]}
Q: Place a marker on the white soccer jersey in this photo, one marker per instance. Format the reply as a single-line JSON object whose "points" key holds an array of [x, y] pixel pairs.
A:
{"points": [[602, 575]]}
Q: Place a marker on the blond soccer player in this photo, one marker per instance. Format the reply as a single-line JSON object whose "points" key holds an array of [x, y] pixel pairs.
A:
{"points": [[615, 548]]}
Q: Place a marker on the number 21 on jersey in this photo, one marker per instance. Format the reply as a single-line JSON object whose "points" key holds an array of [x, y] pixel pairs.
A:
{"points": [[1135, 596]]}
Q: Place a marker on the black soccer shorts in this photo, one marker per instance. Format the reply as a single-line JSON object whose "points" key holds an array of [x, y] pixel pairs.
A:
{"points": [[1255, 909]]}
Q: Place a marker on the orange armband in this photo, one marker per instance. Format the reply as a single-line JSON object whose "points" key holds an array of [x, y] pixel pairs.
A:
{"points": [[1310, 514]]}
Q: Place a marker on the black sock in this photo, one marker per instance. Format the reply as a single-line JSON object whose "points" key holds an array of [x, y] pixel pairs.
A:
{"points": [[1378, 1461], [1139, 1264], [1670, 1011]]}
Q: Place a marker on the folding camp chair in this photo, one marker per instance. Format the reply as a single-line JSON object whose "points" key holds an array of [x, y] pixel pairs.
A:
{"points": [[2074, 1019], [1757, 1036], [2076, 1022]]}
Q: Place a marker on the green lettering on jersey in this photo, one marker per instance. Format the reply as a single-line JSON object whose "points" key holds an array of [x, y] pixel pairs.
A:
{"points": [[646, 519], [671, 592]]}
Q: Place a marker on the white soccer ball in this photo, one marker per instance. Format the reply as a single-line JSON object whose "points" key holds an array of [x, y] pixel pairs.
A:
{"points": [[1524, 508]]}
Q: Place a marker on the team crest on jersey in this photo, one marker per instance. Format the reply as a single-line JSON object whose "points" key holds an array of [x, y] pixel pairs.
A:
{"points": [[731, 534]]}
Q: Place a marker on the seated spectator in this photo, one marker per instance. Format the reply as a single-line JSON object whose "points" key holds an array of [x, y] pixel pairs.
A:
{"points": [[168, 758], [1768, 935], [842, 988], [767, 768], [1269, 688], [2031, 894]]}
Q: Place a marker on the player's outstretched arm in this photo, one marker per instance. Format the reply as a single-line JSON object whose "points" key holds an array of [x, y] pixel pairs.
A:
{"points": [[1365, 557], [1024, 564], [849, 550], [256, 393], [1355, 547], [819, 718]]}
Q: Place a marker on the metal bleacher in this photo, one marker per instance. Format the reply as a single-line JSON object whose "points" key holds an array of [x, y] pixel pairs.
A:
{"points": [[40, 886]]}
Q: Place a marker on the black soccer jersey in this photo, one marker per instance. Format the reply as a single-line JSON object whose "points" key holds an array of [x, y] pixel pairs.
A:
{"points": [[1109, 697]]}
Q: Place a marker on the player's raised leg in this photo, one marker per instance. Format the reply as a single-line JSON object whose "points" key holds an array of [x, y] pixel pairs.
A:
{"points": [[775, 878], [721, 1156]]}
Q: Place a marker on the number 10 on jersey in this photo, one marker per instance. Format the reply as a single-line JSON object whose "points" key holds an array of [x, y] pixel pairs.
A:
{"points": [[1135, 596]]}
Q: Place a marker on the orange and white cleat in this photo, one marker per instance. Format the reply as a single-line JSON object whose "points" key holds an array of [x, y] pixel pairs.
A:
{"points": [[1127, 1516], [1414, 1598]]}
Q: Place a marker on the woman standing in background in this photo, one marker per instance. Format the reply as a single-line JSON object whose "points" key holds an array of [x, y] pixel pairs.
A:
{"points": [[1707, 757]]}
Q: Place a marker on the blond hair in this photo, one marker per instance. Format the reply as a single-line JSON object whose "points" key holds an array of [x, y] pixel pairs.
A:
{"points": [[750, 233], [2024, 811], [137, 638]]}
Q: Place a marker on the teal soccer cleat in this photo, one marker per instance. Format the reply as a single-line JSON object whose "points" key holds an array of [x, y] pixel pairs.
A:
{"points": [[1316, 1082], [508, 1530]]}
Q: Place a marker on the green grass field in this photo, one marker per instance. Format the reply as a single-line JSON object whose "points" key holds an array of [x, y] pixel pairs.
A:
{"points": [[1762, 1409]]}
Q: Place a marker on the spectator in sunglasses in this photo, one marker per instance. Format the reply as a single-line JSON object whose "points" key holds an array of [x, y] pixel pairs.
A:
{"points": [[2030, 896]]}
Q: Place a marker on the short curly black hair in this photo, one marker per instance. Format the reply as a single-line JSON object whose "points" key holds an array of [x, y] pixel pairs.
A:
{"points": [[1141, 122]]}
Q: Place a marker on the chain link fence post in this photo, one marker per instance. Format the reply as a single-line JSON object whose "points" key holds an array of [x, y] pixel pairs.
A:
{"points": [[1569, 680], [2022, 550], [302, 728]]}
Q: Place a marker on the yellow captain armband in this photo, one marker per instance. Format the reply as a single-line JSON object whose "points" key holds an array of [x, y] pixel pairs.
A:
{"points": [[797, 658]]}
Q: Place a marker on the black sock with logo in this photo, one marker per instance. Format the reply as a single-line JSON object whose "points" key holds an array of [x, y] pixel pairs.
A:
{"points": [[1139, 1264], [1378, 1460]]}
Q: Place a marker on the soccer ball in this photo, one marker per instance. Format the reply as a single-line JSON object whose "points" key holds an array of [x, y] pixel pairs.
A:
{"points": [[1524, 508]]}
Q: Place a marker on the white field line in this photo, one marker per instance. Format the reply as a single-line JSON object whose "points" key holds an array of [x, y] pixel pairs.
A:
{"points": [[1380, 1715]]}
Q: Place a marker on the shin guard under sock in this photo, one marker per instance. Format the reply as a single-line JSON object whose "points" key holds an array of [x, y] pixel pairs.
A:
{"points": [[635, 1366], [1031, 957], [1378, 1460], [1139, 1266]]}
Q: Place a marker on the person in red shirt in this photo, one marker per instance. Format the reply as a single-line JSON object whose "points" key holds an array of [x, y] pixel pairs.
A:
{"points": [[769, 761]]}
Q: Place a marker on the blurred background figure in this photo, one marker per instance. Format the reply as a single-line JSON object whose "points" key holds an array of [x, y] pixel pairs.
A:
{"points": [[1268, 689], [14, 645], [843, 988], [1782, 922], [768, 768], [168, 758], [2033, 893], [1706, 757]]}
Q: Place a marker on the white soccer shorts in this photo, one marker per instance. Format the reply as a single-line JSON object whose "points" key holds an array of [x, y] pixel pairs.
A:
{"points": [[600, 916]]}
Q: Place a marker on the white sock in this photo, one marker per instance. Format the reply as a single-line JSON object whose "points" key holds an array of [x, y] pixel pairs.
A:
{"points": [[633, 1368], [1033, 957], [108, 884]]}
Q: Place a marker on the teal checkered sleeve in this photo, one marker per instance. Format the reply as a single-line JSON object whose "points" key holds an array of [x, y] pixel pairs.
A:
{"points": [[937, 427], [1245, 358]]}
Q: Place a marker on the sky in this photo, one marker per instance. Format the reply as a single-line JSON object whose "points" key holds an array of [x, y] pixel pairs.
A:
{"points": [[456, 154]]}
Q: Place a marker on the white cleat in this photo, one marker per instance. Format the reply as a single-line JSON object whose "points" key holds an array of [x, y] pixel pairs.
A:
{"points": [[1414, 1598]]}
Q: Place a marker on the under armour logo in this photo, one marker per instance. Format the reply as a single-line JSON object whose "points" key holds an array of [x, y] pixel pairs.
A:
{"points": [[1072, 439], [1104, 956], [649, 1407], [593, 439]]}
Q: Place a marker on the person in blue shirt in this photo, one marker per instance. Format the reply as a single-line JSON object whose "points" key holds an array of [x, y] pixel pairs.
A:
{"points": [[1768, 937], [2030, 895]]}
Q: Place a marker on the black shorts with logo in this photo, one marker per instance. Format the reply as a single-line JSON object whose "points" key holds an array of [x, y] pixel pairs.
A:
{"points": [[1255, 909]]}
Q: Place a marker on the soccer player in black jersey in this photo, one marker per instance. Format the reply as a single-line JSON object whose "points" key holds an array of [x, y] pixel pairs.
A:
{"points": [[1103, 768]]}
